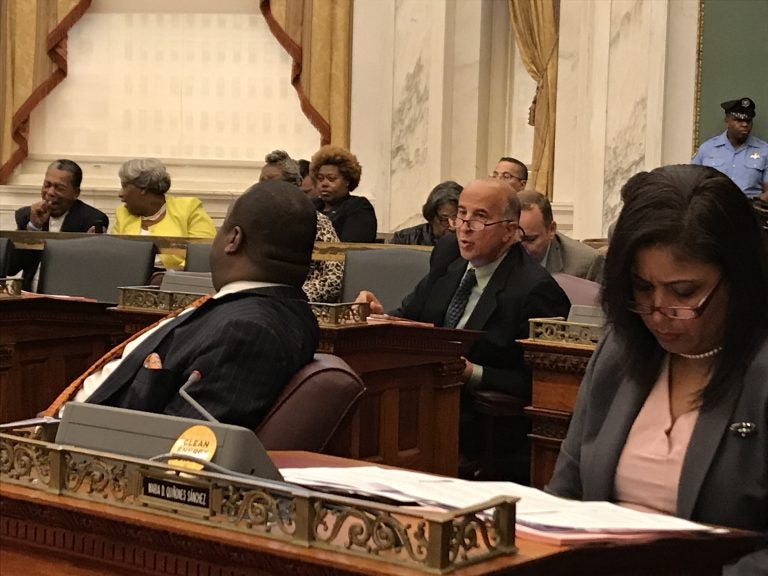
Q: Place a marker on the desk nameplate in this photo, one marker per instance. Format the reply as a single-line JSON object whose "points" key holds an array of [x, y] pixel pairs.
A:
{"points": [[165, 492]]}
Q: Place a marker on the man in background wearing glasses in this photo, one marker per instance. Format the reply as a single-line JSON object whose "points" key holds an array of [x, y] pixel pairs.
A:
{"points": [[492, 285], [511, 171], [552, 249]]}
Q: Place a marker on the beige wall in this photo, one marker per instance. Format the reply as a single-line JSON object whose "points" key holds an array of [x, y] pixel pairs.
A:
{"points": [[438, 92]]}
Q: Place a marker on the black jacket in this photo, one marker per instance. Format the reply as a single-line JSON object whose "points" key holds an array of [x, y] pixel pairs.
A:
{"points": [[420, 235], [353, 218], [246, 346], [519, 289]]}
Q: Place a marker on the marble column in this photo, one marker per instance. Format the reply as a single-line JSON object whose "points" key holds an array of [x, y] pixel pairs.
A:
{"points": [[421, 103], [623, 76]]}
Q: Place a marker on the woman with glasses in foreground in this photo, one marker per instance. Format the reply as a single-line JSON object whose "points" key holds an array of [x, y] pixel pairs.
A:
{"points": [[672, 415]]}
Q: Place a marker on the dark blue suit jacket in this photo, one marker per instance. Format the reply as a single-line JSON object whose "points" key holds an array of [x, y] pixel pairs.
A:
{"points": [[519, 289], [246, 345]]}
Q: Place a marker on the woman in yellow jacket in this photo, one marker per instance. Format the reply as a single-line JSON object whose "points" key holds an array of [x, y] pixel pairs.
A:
{"points": [[147, 210]]}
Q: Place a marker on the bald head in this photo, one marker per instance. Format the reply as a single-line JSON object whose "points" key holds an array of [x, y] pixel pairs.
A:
{"points": [[268, 236]]}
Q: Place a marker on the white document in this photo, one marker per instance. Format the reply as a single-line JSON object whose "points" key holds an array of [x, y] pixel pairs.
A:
{"points": [[535, 507]]}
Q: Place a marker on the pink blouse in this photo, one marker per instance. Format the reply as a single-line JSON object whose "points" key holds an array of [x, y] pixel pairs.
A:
{"points": [[648, 473]]}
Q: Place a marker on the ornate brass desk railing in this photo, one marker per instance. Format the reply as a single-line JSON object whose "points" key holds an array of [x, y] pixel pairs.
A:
{"points": [[430, 541]]}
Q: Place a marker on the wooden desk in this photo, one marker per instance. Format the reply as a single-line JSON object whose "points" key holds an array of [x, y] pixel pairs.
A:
{"points": [[46, 343], [557, 373], [408, 417], [46, 533], [409, 414]]}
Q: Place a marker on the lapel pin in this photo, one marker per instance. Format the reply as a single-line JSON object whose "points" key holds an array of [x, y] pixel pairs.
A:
{"points": [[743, 429]]}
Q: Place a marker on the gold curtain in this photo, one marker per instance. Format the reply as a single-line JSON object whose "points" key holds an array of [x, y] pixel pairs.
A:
{"points": [[33, 60], [318, 36], [535, 25]]}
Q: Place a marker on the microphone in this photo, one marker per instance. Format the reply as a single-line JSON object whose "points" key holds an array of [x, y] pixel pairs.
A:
{"points": [[194, 378]]}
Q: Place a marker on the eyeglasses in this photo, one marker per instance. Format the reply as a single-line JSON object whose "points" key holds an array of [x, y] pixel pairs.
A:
{"points": [[443, 219], [505, 176], [675, 312], [474, 225]]}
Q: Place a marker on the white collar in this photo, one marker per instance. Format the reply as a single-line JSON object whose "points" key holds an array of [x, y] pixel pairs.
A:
{"points": [[240, 285]]}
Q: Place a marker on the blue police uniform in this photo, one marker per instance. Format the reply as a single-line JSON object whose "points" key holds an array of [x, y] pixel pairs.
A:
{"points": [[747, 166]]}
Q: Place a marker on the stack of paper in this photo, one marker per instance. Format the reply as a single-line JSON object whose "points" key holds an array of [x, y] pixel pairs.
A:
{"points": [[539, 515]]}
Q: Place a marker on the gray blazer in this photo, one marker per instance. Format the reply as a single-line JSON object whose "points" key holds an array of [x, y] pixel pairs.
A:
{"points": [[724, 478], [572, 257]]}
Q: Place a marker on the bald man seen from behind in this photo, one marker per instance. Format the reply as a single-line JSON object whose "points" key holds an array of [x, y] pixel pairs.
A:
{"points": [[247, 341]]}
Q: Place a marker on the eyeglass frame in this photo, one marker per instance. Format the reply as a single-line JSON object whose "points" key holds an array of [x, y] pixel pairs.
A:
{"points": [[473, 224], [444, 220], [696, 311], [500, 176]]}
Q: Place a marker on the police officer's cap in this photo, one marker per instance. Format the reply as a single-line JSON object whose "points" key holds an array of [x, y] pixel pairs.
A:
{"points": [[741, 109]]}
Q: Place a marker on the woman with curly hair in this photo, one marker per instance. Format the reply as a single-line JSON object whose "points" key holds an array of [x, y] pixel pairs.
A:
{"points": [[336, 173], [323, 283]]}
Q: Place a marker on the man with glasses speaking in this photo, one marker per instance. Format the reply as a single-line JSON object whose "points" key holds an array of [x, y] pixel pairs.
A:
{"points": [[489, 284]]}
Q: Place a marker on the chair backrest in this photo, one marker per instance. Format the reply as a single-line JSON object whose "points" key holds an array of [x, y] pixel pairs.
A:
{"points": [[5, 256], [312, 407], [197, 258], [187, 282], [579, 290], [390, 273], [95, 267], [595, 242]]}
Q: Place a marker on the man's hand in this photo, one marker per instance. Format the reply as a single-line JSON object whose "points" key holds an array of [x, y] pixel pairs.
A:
{"points": [[467, 370], [39, 214], [764, 195], [370, 298]]}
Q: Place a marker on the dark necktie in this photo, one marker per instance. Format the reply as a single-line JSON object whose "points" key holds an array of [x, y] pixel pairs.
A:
{"points": [[460, 297]]}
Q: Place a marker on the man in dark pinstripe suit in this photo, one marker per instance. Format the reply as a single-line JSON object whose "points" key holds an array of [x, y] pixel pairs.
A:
{"points": [[248, 340]]}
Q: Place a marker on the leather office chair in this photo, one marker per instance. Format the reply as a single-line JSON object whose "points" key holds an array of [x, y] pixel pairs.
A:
{"points": [[502, 424], [5, 256], [197, 258], [390, 273], [312, 407], [95, 267], [579, 291]]}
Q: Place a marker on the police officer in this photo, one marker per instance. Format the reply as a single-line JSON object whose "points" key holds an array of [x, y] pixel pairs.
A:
{"points": [[736, 153]]}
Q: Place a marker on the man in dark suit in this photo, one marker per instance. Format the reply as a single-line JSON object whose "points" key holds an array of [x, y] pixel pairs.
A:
{"points": [[247, 341], [58, 210], [509, 289], [555, 251]]}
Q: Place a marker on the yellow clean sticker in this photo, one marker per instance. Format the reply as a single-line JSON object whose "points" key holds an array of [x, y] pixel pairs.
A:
{"points": [[198, 441]]}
